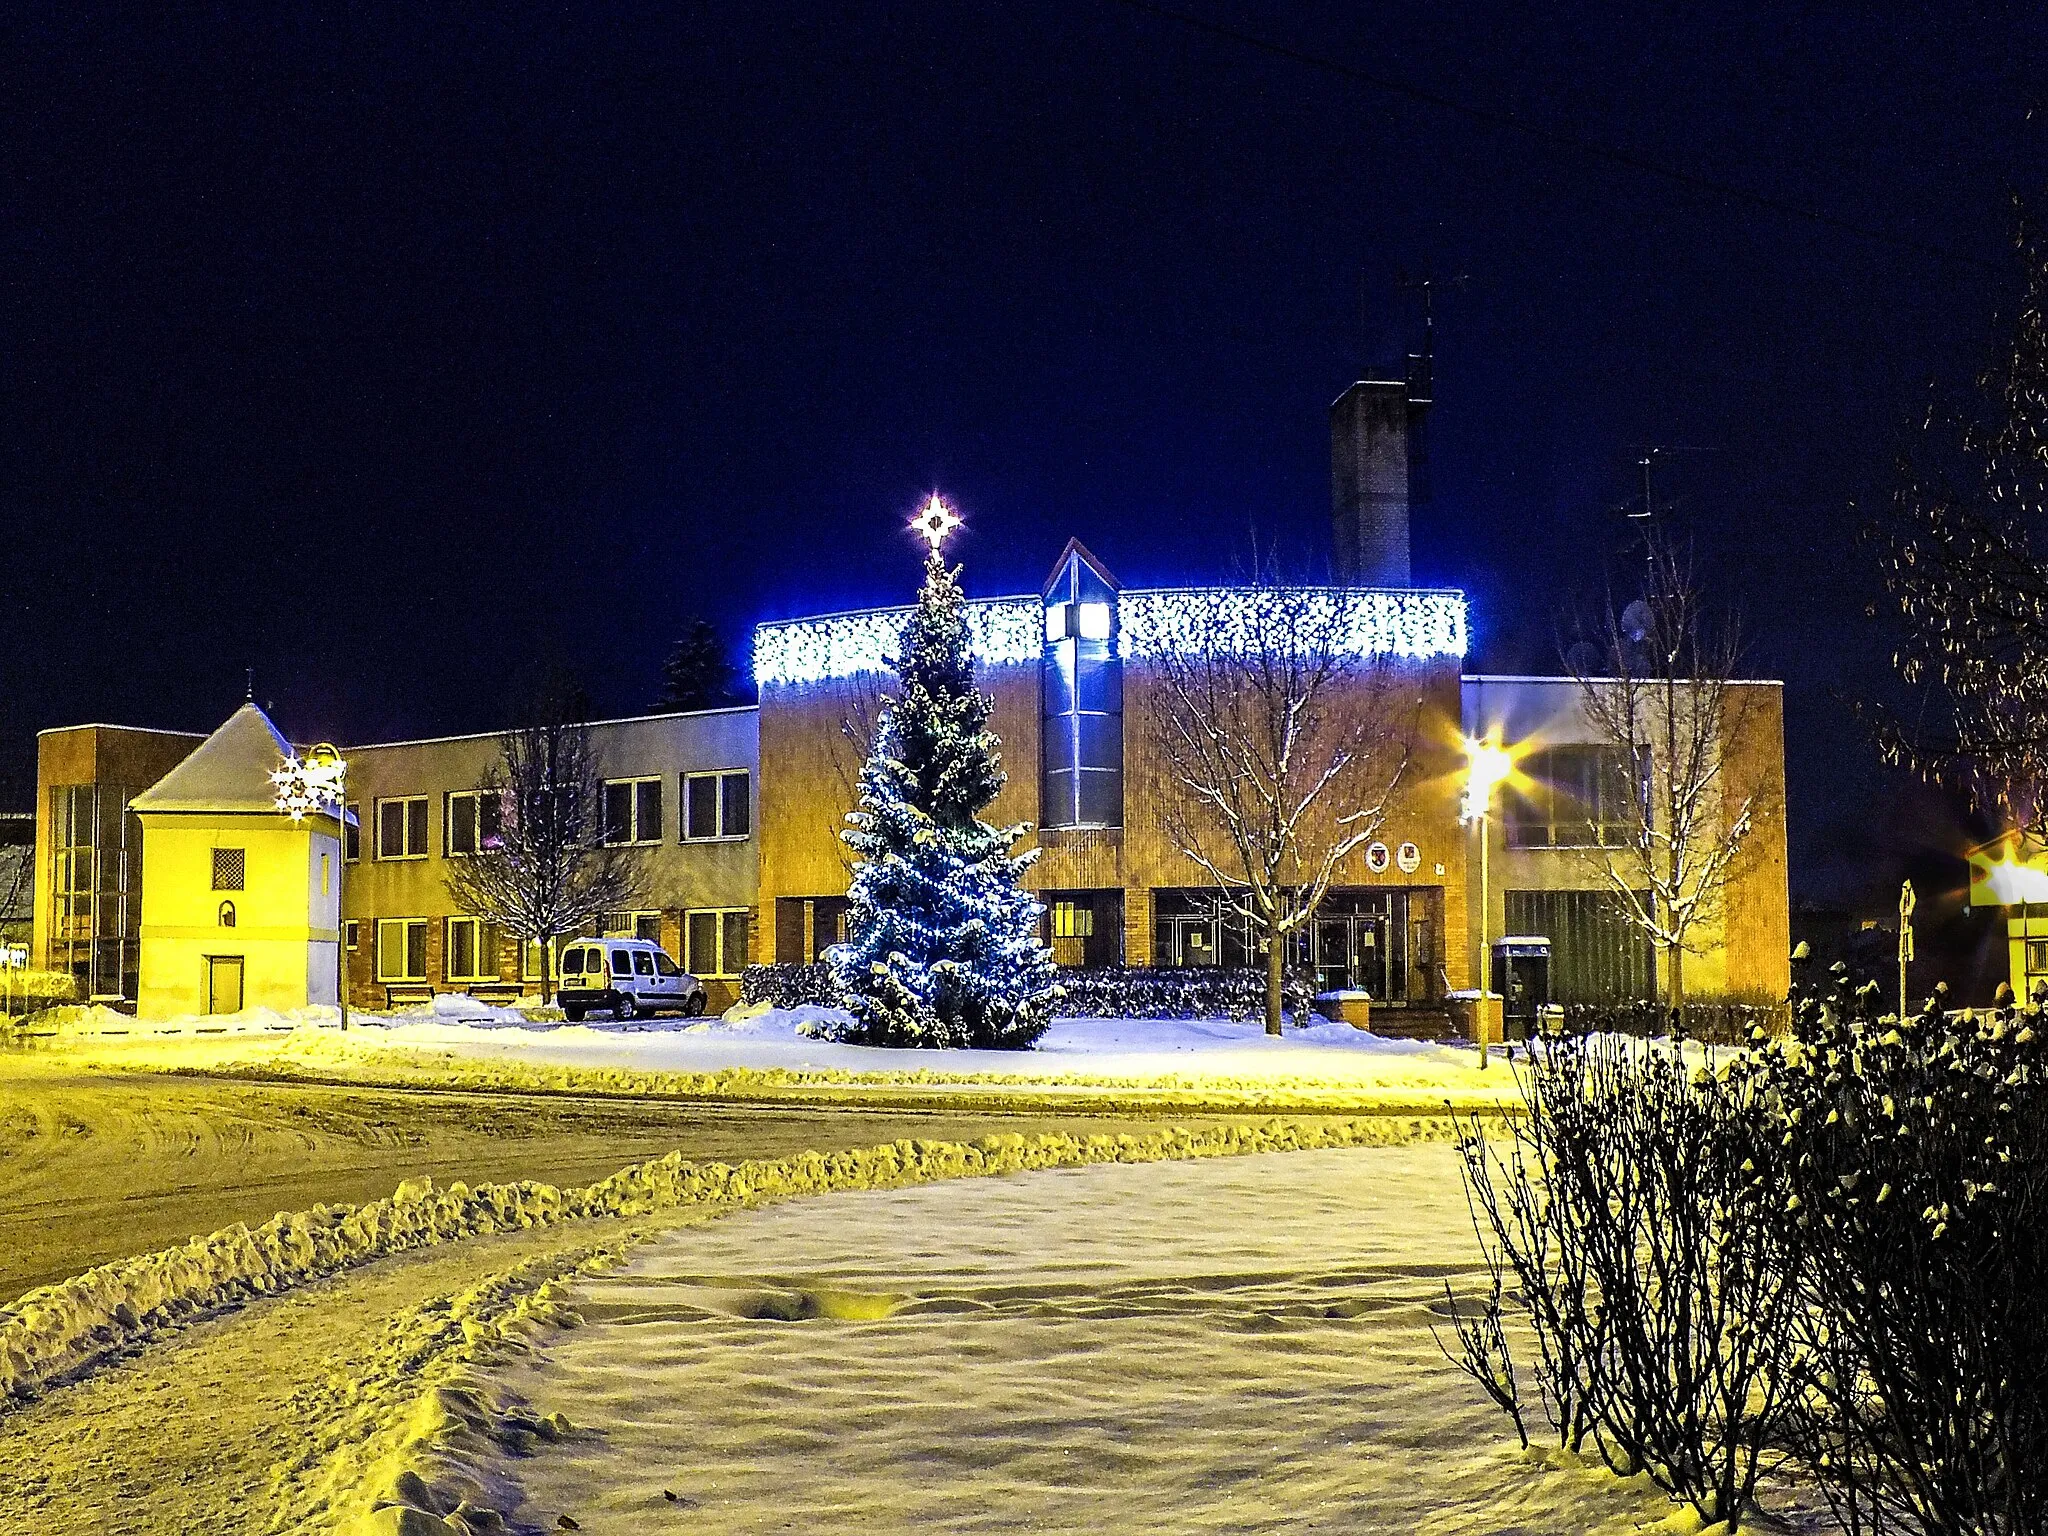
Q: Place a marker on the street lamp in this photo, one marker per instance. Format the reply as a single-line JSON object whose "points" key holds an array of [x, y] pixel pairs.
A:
{"points": [[318, 782], [1487, 766]]}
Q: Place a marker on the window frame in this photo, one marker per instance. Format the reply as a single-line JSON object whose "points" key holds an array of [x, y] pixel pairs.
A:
{"points": [[638, 840], [405, 839], [352, 935], [486, 934], [404, 925], [726, 970], [1542, 813], [234, 874], [450, 820], [352, 832], [719, 803]]}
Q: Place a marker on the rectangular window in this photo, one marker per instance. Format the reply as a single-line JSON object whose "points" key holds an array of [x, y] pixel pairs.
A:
{"points": [[230, 868], [630, 925], [402, 828], [1571, 797], [473, 819], [472, 950], [1073, 920], [718, 805], [715, 942], [352, 935], [530, 957], [632, 811], [401, 949], [352, 834]]}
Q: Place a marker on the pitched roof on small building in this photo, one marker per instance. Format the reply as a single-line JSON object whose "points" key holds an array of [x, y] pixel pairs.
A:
{"points": [[229, 771]]}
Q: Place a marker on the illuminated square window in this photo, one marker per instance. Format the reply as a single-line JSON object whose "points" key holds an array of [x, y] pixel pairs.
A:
{"points": [[1094, 621]]}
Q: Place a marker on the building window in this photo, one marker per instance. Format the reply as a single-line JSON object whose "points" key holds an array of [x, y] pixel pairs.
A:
{"points": [[230, 868], [471, 949], [1082, 782], [717, 805], [352, 833], [1572, 797], [227, 914], [632, 811], [1073, 920], [631, 925], [402, 948], [402, 828], [715, 942], [473, 819], [352, 935], [531, 954]]}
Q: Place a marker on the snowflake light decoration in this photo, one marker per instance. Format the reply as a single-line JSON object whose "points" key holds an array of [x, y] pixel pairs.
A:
{"points": [[935, 521], [310, 783]]}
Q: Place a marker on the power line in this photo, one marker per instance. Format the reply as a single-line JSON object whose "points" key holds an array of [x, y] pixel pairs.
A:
{"points": [[1513, 121]]}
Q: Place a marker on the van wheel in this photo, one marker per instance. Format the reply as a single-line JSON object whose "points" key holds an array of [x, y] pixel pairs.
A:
{"points": [[693, 1005], [625, 1011], [573, 1015]]}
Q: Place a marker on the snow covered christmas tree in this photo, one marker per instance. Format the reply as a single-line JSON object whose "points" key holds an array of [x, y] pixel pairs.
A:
{"points": [[942, 946]]}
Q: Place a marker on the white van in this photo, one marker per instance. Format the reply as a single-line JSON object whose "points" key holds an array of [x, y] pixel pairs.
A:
{"points": [[631, 977]]}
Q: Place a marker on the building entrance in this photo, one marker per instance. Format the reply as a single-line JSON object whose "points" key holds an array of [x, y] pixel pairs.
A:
{"points": [[1359, 941]]}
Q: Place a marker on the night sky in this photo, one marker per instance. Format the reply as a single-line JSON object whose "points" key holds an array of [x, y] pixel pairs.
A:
{"points": [[398, 356]]}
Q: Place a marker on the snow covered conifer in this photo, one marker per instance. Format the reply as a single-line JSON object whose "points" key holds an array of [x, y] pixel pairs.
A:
{"points": [[942, 946]]}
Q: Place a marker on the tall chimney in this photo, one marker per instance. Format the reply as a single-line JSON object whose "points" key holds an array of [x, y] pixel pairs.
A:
{"points": [[1377, 469]]}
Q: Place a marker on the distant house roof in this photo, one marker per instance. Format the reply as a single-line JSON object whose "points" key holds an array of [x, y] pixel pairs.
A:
{"points": [[229, 771]]}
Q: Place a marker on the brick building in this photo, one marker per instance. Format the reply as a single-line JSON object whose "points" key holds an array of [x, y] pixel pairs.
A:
{"points": [[739, 810]]}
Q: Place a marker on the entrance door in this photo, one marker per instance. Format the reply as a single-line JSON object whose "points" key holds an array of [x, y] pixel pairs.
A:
{"points": [[1359, 943], [223, 983]]}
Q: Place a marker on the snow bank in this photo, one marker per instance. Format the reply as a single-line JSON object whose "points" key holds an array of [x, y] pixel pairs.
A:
{"points": [[773, 1056]]}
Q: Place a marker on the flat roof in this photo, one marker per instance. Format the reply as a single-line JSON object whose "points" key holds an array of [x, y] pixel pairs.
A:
{"points": [[664, 714], [105, 725]]}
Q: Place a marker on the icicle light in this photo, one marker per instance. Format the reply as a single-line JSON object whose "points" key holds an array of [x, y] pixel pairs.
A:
{"points": [[1360, 621], [1007, 631]]}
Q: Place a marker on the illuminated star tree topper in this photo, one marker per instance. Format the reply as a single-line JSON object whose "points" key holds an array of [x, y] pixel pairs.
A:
{"points": [[935, 522]]}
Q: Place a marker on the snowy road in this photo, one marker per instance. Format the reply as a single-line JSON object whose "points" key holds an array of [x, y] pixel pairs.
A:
{"points": [[1233, 1344], [97, 1165]]}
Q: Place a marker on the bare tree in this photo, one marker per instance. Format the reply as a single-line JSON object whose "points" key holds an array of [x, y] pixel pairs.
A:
{"points": [[545, 872], [1285, 747], [1656, 691], [1960, 567]]}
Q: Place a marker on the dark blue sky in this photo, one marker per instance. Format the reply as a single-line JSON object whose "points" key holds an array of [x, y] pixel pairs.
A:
{"points": [[392, 354]]}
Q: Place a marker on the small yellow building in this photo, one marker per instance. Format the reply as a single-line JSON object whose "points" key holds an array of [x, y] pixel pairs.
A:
{"points": [[242, 908]]}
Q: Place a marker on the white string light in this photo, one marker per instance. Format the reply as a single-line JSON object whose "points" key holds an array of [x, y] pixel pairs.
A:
{"points": [[1356, 621], [1009, 631], [1004, 631]]}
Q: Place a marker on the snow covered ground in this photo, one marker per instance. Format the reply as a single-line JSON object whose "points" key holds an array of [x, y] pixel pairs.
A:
{"points": [[1238, 1344], [461, 1042]]}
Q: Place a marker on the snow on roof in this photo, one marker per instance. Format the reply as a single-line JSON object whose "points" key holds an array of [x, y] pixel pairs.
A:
{"points": [[229, 771]]}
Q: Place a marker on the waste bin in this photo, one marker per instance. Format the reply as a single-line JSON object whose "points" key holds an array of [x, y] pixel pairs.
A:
{"points": [[1521, 975]]}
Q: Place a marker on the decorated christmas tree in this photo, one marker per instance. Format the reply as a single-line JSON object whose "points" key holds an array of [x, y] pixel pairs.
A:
{"points": [[942, 946]]}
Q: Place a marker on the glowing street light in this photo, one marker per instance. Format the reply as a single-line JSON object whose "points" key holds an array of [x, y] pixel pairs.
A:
{"points": [[306, 785], [1488, 765], [935, 521]]}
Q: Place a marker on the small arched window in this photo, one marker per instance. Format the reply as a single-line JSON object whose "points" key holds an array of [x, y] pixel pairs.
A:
{"points": [[227, 914]]}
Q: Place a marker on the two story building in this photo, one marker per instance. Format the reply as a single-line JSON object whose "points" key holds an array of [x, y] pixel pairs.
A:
{"points": [[738, 811]]}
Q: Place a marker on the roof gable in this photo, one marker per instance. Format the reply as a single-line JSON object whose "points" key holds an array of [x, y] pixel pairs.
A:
{"points": [[229, 771]]}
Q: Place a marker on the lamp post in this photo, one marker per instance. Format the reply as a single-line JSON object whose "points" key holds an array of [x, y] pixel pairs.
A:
{"points": [[317, 782], [1487, 764]]}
